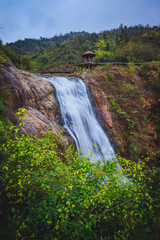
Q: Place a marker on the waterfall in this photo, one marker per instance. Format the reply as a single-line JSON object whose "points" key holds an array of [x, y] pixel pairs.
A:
{"points": [[79, 119]]}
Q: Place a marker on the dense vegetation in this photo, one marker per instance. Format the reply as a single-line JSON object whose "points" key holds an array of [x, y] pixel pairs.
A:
{"points": [[7, 55], [49, 193], [126, 44]]}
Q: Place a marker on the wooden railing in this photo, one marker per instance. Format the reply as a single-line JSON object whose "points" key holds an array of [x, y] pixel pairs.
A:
{"points": [[118, 63]]}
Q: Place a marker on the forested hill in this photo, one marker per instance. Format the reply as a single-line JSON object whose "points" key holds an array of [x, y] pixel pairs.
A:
{"points": [[31, 45], [127, 44]]}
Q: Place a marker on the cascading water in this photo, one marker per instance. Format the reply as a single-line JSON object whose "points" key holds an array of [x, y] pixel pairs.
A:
{"points": [[79, 119]]}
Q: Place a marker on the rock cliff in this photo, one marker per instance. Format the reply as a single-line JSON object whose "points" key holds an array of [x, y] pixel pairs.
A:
{"points": [[38, 97], [101, 100], [127, 104]]}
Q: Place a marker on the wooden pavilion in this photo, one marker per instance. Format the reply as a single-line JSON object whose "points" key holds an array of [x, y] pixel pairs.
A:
{"points": [[88, 60]]}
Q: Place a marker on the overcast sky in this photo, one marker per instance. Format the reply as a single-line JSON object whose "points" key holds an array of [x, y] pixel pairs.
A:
{"points": [[21, 19]]}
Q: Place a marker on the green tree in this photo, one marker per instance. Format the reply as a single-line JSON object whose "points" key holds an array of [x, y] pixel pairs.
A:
{"points": [[26, 63], [101, 45]]}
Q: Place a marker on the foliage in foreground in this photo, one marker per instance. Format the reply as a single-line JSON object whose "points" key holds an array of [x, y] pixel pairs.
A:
{"points": [[47, 194]]}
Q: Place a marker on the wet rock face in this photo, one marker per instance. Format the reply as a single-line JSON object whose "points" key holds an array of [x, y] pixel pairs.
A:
{"points": [[37, 96], [38, 93], [103, 107], [100, 98], [15, 88], [38, 124]]}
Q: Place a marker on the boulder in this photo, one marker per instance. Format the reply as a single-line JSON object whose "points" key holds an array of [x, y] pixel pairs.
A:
{"points": [[36, 95]]}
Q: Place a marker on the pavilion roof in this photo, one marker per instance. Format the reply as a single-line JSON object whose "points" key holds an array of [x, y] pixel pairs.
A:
{"points": [[88, 53]]}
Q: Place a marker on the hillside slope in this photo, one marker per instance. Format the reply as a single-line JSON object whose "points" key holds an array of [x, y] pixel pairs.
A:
{"points": [[128, 98]]}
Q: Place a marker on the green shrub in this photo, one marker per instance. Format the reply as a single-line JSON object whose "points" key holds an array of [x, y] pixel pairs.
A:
{"points": [[27, 63], [131, 67], [48, 193]]}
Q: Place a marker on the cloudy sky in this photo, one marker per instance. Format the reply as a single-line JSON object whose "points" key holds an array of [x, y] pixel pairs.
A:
{"points": [[21, 19]]}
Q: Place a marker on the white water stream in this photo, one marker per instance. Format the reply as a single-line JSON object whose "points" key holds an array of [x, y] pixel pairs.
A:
{"points": [[79, 119]]}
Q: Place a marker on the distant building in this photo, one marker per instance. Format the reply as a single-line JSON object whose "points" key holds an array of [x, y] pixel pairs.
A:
{"points": [[88, 60]]}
